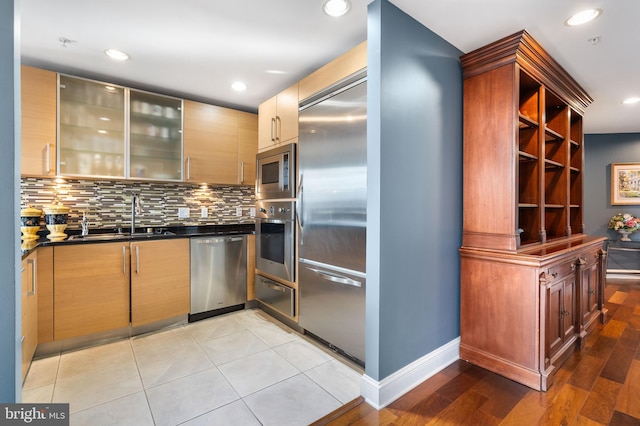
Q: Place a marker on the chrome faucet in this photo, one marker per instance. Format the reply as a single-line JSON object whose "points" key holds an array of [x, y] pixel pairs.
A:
{"points": [[85, 224], [136, 208]]}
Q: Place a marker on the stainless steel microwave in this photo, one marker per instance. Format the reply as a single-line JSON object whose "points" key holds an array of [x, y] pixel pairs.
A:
{"points": [[276, 173]]}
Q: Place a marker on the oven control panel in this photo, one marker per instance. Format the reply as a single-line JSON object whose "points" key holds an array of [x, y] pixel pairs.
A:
{"points": [[279, 210]]}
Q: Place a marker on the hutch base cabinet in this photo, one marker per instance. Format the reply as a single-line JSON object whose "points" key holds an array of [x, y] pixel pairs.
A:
{"points": [[531, 279], [523, 314]]}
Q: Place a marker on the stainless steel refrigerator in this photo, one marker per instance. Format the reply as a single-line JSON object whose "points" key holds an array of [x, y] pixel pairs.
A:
{"points": [[332, 217]]}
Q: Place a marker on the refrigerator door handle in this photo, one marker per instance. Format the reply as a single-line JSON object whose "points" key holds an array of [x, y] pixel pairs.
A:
{"points": [[336, 278], [299, 209]]}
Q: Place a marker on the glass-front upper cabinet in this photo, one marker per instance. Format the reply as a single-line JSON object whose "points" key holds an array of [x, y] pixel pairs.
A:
{"points": [[91, 138], [155, 136]]}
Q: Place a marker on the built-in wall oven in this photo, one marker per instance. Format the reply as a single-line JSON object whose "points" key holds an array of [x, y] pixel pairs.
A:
{"points": [[276, 173], [275, 241]]}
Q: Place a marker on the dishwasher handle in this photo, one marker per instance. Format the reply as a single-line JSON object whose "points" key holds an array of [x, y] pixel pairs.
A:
{"points": [[217, 240]]}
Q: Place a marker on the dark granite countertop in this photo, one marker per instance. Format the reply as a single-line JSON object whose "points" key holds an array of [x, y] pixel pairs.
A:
{"points": [[110, 235]]}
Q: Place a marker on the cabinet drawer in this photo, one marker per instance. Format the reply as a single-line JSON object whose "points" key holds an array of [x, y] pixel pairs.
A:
{"points": [[563, 269], [590, 258], [276, 295]]}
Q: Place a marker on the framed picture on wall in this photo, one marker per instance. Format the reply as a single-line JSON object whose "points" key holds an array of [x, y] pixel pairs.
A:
{"points": [[625, 184]]}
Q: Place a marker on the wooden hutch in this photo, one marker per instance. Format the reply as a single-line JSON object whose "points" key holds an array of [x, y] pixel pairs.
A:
{"points": [[531, 279]]}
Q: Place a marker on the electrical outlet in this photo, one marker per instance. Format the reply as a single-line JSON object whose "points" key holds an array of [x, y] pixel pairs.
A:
{"points": [[238, 211], [252, 212], [183, 212], [204, 212]]}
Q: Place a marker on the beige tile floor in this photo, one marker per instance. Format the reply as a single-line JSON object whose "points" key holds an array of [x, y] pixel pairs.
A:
{"points": [[242, 368]]}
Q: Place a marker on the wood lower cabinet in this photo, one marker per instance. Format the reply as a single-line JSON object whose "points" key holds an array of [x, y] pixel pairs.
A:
{"points": [[39, 120], [103, 287], [45, 294], [251, 267], [159, 280], [560, 316], [29, 310], [91, 288], [520, 313]]}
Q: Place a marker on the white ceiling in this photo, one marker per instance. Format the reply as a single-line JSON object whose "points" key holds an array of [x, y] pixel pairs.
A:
{"points": [[197, 48]]}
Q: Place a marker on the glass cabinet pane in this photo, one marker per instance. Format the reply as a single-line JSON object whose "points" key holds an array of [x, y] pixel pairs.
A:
{"points": [[155, 136], [91, 128]]}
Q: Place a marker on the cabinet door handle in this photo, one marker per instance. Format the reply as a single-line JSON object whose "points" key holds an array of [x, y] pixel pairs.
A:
{"points": [[242, 172], [188, 167], [34, 279], [137, 259], [48, 158], [278, 128], [124, 260], [273, 125]]}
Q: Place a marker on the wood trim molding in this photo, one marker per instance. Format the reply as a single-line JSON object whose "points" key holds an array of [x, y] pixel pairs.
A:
{"points": [[521, 48], [379, 394]]}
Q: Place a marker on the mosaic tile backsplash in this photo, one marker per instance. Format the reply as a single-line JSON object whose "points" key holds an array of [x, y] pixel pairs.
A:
{"points": [[107, 204]]}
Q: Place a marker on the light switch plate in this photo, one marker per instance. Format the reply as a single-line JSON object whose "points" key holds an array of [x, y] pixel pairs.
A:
{"points": [[252, 212], [183, 212], [204, 212], [238, 211]]}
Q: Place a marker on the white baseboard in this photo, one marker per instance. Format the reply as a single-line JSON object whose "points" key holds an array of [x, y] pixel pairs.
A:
{"points": [[380, 394]]}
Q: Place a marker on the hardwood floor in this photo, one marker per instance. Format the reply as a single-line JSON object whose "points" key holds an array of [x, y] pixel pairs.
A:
{"points": [[598, 385]]}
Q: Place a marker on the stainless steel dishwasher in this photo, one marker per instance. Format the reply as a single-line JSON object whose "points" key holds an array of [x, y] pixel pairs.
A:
{"points": [[218, 275]]}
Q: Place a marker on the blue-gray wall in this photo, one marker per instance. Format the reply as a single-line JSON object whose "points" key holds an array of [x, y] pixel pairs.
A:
{"points": [[600, 151], [10, 352], [414, 206]]}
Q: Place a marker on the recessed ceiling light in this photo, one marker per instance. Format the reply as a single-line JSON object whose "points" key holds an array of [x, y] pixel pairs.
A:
{"points": [[631, 101], [109, 88], [583, 17], [102, 132], [104, 118], [336, 7], [239, 86], [116, 54]]}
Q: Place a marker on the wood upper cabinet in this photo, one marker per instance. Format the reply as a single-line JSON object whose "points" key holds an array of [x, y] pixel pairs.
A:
{"points": [[29, 311], [531, 285], [523, 147], [340, 68], [38, 92], [159, 280], [278, 119], [91, 288], [247, 147], [219, 144]]}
